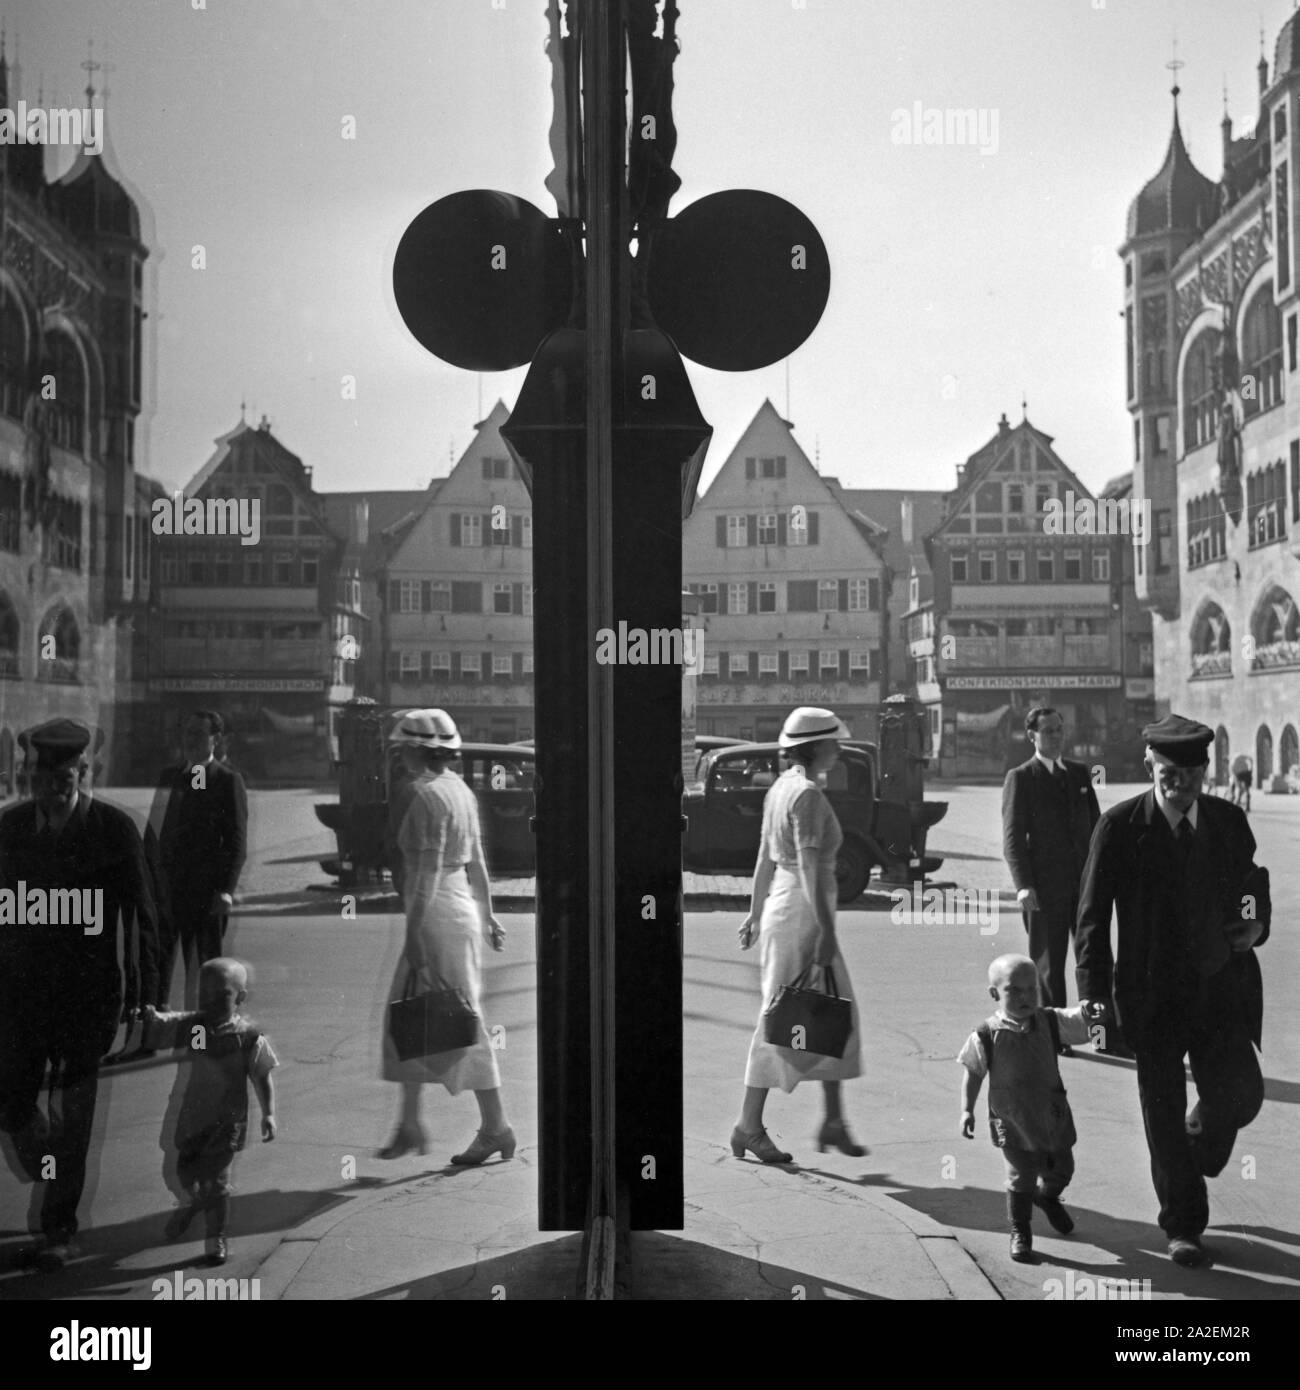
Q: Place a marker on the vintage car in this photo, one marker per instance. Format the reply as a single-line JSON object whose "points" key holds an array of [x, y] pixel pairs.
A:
{"points": [[722, 810], [724, 813]]}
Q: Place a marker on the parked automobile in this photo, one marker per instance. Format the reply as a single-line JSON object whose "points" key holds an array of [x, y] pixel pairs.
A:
{"points": [[722, 810]]}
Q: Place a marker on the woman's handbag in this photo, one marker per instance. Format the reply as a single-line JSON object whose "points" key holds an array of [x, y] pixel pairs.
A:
{"points": [[809, 1020], [439, 1020]]}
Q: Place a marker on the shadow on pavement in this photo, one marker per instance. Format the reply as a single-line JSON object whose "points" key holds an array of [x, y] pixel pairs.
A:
{"points": [[546, 1272], [98, 1270], [669, 1267], [1137, 1245]]}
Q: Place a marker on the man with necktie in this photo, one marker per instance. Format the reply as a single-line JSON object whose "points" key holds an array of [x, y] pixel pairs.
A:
{"points": [[61, 984], [1049, 809], [201, 815], [1190, 906]]}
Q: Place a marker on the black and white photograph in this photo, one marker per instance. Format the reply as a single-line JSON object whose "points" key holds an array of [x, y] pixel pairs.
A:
{"points": [[650, 652]]}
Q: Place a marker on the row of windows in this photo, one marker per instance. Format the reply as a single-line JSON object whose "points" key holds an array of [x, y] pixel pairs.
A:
{"points": [[829, 663], [796, 525], [460, 596], [496, 527], [1011, 497], [1266, 504], [242, 629], [237, 566], [406, 664], [1014, 571], [801, 596]]}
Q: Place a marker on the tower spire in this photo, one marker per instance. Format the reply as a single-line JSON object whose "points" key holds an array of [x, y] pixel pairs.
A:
{"points": [[91, 68], [1174, 65]]}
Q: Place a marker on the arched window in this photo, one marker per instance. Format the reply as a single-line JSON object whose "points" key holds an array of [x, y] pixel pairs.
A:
{"points": [[1211, 642], [1261, 353], [1221, 758], [68, 408], [1263, 756], [1200, 399], [6, 763], [13, 355], [1289, 751], [1275, 630], [9, 637], [60, 659]]}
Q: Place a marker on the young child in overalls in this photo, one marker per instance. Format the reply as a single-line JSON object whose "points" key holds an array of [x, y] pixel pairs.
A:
{"points": [[1029, 1116], [224, 1052]]}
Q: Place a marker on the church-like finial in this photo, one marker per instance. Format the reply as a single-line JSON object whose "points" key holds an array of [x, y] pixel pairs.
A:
{"points": [[1174, 66], [1024, 406], [91, 67], [242, 408]]}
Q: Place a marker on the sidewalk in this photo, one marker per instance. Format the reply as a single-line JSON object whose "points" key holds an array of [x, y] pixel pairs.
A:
{"points": [[753, 1232]]}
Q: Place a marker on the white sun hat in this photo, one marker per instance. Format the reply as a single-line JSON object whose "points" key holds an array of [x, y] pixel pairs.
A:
{"points": [[808, 724], [427, 728]]}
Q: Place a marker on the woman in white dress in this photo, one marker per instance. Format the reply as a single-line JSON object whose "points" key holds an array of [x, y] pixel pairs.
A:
{"points": [[792, 910], [448, 900]]}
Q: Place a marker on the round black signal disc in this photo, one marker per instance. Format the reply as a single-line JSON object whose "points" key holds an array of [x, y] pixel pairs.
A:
{"points": [[481, 277], [738, 280]]}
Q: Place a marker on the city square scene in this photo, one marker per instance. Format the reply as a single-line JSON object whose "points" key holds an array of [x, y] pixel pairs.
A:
{"points": [[623, 557]]}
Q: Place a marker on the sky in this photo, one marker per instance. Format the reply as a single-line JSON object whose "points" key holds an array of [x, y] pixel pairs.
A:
{"points": [[961, 281]]}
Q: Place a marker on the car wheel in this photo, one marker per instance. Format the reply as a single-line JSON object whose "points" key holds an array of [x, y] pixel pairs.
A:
{"points": [[852, 871]]}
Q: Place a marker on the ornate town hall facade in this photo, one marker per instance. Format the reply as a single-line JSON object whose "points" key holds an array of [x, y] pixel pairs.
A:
{"points": [[1210, 314]]}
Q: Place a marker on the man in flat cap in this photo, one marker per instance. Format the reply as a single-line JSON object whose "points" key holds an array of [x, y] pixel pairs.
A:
{"points": [[71, 869], [1190, 905]]}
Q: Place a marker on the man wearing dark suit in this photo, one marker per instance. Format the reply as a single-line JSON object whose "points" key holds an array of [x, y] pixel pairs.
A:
{"points": [[1049, 808], [1190, 905], [61, 987], [201, 809]]}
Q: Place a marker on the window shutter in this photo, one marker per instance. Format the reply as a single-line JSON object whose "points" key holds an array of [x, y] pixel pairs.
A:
{"points": [[783, 666], [780, 465], [722, 532], [516, 598], [813, 519], [751, 529], [394, 595], [455, 528], [844, 596], [485, 530], [753, 596], [426, 597], [749, 468], [394, 665], [426, 665], [844, 665], [722, 596], [780, 528], [873, 595], [814, 670], [517, 665], [874, 672]]}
